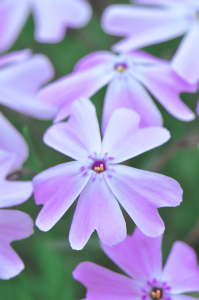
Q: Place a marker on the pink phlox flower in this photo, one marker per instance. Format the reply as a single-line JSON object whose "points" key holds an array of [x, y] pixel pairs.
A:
{"points": [[128, 76], [51, 18], [140, 258], [21, 77], [165, 20], [14, 225], [99, 179]]}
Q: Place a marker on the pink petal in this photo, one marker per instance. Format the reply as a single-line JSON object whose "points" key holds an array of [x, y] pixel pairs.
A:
{"points": [[93, 60], [183, 260], [76, 85], [57, 188], [14, 225], [166, 86], [138, 256], [12, 192], [20, 83], [183, 297], [143, 26], [102, 283], [128, 93], [15, 57], [97, 209], [53, 17], [80, 136], [123, 139], [13, 15], [186, 59], [141, 193], [12, 141]]}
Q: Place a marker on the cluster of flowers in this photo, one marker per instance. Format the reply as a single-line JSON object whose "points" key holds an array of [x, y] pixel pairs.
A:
{"points": [[131, 125]]}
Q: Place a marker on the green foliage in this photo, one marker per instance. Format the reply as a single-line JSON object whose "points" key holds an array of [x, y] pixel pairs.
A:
{"points": [[48, 257]]}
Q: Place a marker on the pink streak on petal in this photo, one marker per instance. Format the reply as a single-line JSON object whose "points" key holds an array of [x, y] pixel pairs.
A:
{"points": [[123, 139], [186, 59], [143, 26], [102, 283], [14, 225], [15, 57], [13, 15], [52, 17], [128, 93], [166, 86], [57, 188], [94, 60], [97, 209], [141, 193], [78, 137], [76, 85], [19, 84], [183, 260], [138, 256], [13, 141]]}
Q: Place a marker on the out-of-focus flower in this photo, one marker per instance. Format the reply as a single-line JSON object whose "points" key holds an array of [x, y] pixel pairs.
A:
{"points": [[128, 75], [51, 17], [140, 258], [145, 26], [99, 179], [13, 153], [21, 76], [14, 225], [12, 141]]}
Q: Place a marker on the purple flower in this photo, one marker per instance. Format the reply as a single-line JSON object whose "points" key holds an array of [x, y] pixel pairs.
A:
{"points": [[21, 76], [51, 17], [140, 258], [143, 26], [99, 179], [14, 225], [128, 75]]}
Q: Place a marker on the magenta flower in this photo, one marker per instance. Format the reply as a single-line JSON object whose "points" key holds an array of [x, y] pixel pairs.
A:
{"points": [[140, 258], [21, 76], [14, 225], [128, 75], [143, 26], [99, 179], [51, 17]]}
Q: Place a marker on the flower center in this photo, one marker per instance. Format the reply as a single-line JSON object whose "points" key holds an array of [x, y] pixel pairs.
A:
{"points": [[121, 68], [99, 166], [156, 293]]}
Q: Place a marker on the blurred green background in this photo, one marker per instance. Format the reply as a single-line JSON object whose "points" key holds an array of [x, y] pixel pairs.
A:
{"points": [[48, 258]]}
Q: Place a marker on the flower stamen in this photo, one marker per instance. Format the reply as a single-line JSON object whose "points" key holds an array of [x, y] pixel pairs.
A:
{"points": [[99, 169], [156, 294]]}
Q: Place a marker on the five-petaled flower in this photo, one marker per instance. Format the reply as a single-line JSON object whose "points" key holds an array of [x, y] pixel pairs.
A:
{"points": [[140, 257], [145, 26], [99, 179], [128, 75]]}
